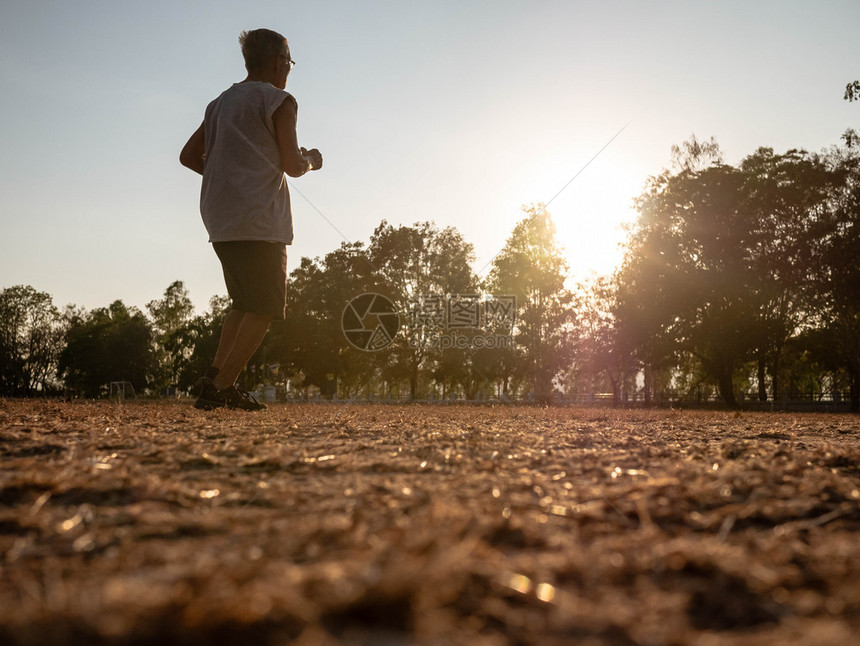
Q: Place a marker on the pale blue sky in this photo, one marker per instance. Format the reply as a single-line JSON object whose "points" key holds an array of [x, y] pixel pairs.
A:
{"points": [[455, 111]]}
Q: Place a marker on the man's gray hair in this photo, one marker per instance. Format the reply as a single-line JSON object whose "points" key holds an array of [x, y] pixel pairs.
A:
{"points": [[259, 47]]}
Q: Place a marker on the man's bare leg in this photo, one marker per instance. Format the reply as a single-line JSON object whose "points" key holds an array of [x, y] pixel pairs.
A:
{"points": [[247, 333], [229, 330]]}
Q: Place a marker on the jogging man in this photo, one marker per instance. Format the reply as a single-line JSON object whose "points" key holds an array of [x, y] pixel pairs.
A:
{"points": [[246, 143]]}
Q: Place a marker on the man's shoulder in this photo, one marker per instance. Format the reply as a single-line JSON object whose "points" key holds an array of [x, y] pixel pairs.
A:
{"points": [[266, 91], [290, 99], [277, 93], [240, 95]]}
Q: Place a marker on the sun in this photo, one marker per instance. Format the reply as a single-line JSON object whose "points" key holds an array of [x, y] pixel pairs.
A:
{"points": [[590, 218], [590, 211]]}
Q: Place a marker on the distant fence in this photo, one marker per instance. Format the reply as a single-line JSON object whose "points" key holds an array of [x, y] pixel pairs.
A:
{"points": [[812, 402]]}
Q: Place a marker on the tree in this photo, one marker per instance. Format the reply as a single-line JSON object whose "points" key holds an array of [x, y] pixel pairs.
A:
{"points": [[694, 155], [687, 257], [600, 351], [310, 343], [105, 345], [30, 340], [170, 316], [412, 262], [786, 197], [718, 261], [852, 93], [531, 268], [836, 279]]}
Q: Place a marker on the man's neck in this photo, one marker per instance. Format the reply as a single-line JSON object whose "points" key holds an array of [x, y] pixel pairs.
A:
{"points": [[252, 78]]}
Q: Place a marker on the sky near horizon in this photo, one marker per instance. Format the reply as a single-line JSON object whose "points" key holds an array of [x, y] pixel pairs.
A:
{"points": [[459, 112]]}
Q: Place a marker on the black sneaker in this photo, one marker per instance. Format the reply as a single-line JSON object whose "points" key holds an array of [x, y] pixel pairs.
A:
{"points": [[208, 396], [239, 399], [201, 385]]}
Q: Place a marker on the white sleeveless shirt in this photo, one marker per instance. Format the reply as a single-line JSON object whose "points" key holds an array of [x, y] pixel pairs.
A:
{"points": [[244, 194]]}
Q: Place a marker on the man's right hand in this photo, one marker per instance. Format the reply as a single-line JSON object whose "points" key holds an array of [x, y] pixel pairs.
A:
{"points": [[314, 156]]}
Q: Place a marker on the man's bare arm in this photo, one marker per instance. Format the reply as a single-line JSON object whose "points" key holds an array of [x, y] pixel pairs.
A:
{"points": [[194, 151], [295, 161]]}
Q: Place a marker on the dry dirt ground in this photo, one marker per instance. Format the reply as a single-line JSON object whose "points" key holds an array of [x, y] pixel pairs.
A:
{"points": [[155, 523]]}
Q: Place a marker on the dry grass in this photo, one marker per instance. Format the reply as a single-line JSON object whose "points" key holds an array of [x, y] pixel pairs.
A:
{"points": [[324, 525]]}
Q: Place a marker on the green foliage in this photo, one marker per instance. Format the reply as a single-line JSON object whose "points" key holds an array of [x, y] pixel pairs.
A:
{"points": [[734, 277], [690, 264], [694, 155], [531, 267], [602, 356], [410, 261], [718, 264], [310, 344], [107, 344], [852, 93], [31, 332], [836, 279], [171, 316]]}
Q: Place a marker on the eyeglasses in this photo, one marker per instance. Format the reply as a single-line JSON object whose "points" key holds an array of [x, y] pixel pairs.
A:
{"points": [[289, 60]]}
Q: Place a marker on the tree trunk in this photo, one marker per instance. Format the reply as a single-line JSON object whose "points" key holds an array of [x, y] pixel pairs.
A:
{"points": [[855, 391], [775, 379], [726, 386], [470, 389], [542, 385], [762, 389], [648, 384], [413, 382]]}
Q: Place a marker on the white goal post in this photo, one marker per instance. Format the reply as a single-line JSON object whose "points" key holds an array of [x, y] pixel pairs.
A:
{"points": [[119, 390]]}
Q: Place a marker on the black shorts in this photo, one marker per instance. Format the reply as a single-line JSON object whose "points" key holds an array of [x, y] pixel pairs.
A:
{"points": [[256, 275]]}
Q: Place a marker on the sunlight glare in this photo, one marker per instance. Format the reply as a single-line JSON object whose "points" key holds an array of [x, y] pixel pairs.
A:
{"points": [[589, 215]]}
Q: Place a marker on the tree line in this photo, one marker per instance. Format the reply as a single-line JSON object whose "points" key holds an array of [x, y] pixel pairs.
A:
{"points": [[737, 281], [745, 278], [47, 351]]}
